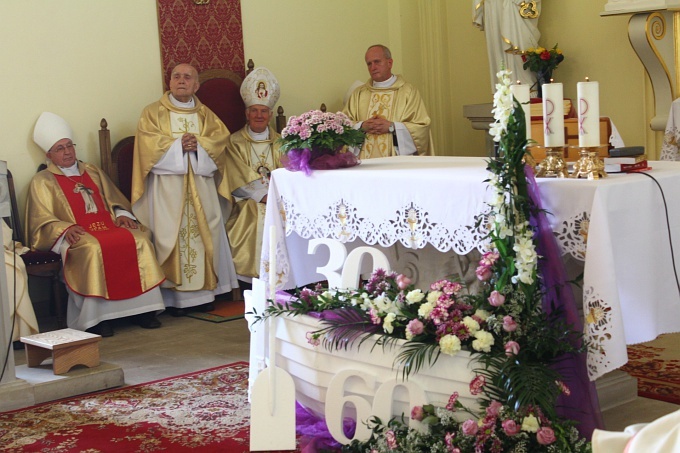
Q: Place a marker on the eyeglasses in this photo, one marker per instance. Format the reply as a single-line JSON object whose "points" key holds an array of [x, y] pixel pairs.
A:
{"points": [[62, 148]]}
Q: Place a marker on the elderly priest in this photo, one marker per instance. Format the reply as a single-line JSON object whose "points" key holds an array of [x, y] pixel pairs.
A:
{"points": [[179, 155], [74, 209]]}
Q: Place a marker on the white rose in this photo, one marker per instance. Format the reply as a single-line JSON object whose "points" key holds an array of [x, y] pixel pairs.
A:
{"points": [[482, 314]]}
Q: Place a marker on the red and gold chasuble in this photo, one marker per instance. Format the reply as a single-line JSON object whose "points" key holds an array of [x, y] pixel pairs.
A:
{"points": [[117, 244]]}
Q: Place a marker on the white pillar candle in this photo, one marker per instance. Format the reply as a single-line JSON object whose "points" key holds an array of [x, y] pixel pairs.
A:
{"points": [[588, 94], [553, 115], [523, 96]]}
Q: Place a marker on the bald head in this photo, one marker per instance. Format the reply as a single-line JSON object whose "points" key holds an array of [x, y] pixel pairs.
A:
{"points": [[184, 82]]}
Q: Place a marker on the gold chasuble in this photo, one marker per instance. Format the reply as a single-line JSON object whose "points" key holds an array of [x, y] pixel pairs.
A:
{"points": [[110, 262], [183, 210], [248, 160], [401, 103]]}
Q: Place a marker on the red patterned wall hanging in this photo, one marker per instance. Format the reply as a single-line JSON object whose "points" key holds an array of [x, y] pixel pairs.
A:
{"points": [[208, 34]]}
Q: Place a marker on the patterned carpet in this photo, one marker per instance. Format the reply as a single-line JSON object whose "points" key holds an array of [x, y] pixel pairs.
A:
{"points": [[656, 365], [206, 411]]}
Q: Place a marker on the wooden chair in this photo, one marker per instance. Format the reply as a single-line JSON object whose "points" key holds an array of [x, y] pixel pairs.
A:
{"points": [[39, 264], [117, 162]]}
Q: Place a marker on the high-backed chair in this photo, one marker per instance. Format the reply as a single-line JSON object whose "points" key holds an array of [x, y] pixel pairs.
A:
{"points": [[220, 91], [117, 162], [39, 264]]}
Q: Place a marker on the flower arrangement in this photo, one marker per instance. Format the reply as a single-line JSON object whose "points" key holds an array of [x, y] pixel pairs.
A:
{"points": [[542, 60], [316, 134], [514, 340]]}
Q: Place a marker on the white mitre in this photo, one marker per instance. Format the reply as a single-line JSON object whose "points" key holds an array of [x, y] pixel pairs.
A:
{"points": [[49, 129], [260, 87]]}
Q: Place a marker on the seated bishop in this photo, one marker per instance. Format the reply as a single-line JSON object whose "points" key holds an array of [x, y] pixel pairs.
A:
{"points": [[252, 154], [109, 263]]}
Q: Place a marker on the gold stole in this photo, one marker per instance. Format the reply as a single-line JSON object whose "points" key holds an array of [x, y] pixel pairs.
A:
{"points": [[193, 257], [380, 106]]}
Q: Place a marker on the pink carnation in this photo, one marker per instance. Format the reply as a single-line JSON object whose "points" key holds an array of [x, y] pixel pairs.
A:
{"points": [[415, 327], [391, 439], [476, 385], [493, 409], [451, 405], [483, 273]]}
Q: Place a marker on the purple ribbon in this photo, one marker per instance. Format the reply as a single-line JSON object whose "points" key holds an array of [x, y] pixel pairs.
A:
{"points": [[582, 404]]}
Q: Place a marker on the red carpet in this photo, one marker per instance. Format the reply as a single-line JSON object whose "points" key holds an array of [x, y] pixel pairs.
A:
{"points": [[656, 365], [206, 411]]}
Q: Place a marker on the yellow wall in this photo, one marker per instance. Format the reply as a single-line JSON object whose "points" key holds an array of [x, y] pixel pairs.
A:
{"points": [[80, 59], [88, 59]]}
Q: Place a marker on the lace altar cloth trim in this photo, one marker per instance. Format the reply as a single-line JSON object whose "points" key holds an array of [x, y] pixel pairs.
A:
{"points": [[412, 226]]}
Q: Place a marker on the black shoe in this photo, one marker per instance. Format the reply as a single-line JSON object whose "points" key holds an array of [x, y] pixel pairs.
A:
{"points": [[147, 320], [176, 312], [104, 328]]}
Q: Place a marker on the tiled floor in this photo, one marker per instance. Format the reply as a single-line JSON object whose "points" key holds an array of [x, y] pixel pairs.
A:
{"points": [[183, 345]]}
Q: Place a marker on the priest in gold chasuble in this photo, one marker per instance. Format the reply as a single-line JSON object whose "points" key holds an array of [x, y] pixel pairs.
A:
{"points": [[178, 157], [252, 154], [74, 209], [390, 111]]}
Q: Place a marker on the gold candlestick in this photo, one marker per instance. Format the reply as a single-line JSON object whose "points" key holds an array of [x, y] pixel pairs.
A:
{"points": [[553, 166], [589, 165]]}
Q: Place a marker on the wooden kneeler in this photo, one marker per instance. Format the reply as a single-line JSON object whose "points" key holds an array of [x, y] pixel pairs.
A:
{"points": [[67, 347]]}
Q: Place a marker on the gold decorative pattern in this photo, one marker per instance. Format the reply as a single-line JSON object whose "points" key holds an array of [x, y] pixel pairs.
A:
{"points": [[528, 10]]}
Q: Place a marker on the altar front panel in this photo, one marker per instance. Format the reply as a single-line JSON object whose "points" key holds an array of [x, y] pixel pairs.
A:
{"points": [[421, 212]]}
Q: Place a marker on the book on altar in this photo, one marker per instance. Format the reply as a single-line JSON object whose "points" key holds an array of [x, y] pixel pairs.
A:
{"points": [[625, 160], [625, 168], [627, 151]]}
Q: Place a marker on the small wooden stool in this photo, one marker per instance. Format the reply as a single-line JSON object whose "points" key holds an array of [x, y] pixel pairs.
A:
{"points": [[67, 347]]}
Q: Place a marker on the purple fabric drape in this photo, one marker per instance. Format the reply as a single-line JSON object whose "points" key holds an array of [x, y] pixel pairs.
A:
{"points": [[582, 404], [313, 431], [306, 160]]}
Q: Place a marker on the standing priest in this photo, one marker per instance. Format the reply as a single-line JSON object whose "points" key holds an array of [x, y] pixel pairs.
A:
{"points": [[252, 154], [390, 111], [73, 208], [178, 157]]}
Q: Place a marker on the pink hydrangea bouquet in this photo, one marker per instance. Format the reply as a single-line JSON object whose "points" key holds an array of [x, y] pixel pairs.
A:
{"points": [[316, 140]]}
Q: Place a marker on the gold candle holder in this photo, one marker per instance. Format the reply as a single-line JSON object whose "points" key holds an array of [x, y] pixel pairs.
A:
{"points": [[554, 165], [589, 165]]}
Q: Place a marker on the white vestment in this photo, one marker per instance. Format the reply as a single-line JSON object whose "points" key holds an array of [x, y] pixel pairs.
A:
{"points": [[25, 323]]}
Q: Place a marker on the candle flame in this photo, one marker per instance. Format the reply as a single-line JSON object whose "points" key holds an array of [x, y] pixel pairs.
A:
{"points": [[552, 80], [587, 79], [519, 82]]}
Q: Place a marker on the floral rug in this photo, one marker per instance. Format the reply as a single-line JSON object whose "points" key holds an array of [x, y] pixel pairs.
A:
{"points": [[656, 365], [203, 411]]}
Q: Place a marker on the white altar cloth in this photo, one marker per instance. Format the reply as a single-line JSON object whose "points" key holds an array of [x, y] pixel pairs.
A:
{"points": [[630, 293]]}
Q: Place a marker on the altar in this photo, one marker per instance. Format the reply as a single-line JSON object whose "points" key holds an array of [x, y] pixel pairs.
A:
{"points": [[614, 229]]}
